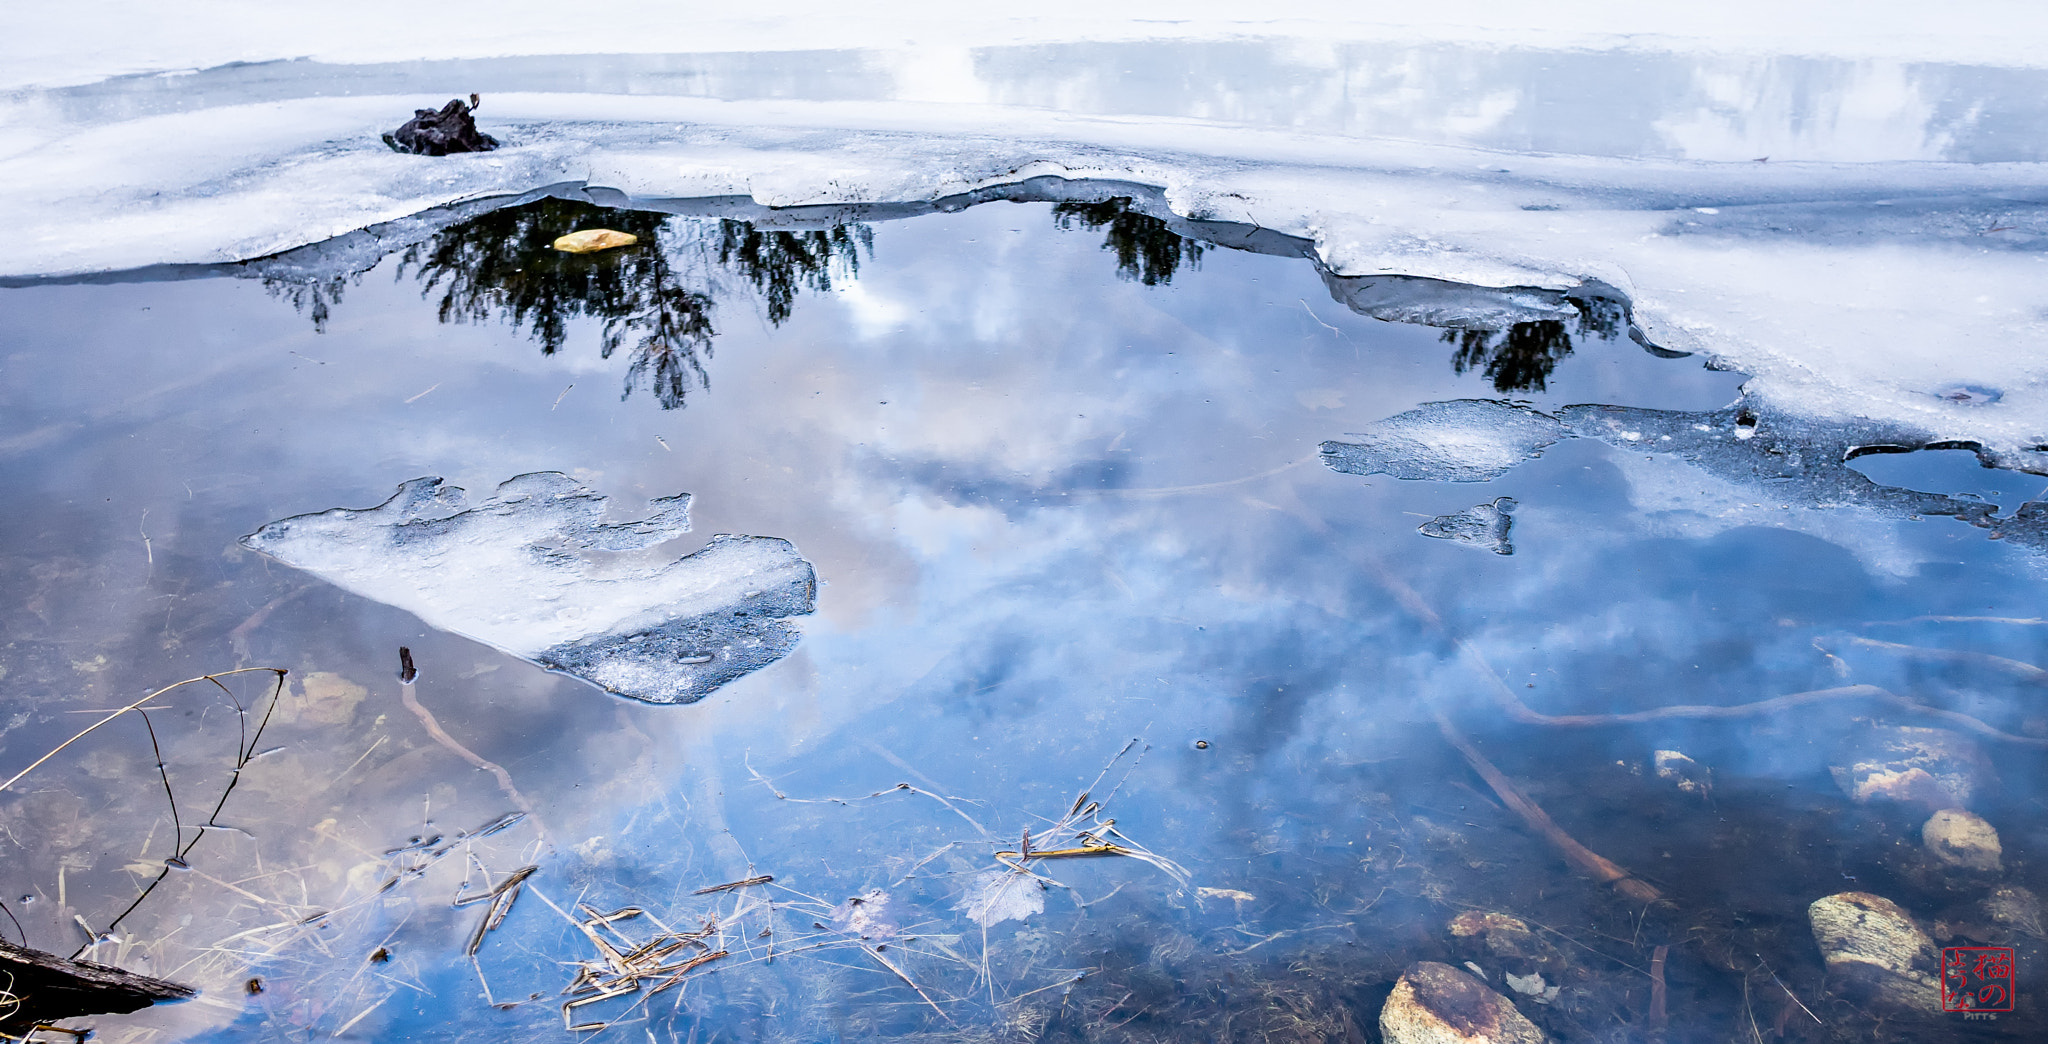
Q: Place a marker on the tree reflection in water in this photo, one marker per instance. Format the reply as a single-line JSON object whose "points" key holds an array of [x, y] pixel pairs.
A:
{"points": [[1522, 357], [779, 263], [1147, 251], [657, 295], [1519, 358]]}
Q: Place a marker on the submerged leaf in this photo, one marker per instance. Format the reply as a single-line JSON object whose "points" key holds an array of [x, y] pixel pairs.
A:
{"points": [[1002, 895]]}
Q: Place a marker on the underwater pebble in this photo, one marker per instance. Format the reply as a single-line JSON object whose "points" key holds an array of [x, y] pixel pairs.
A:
{"points": [[1932, 768], [1674, 767], [1505, 936], [1437, 1004], [1533, 987], [1962, 839], [1875, 952]]}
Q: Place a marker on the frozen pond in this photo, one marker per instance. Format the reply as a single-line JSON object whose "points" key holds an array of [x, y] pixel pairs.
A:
{"points": [[1109, 520]]}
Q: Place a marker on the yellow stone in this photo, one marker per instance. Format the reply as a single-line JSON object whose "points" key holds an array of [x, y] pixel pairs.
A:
{"points": [[592, 240]]}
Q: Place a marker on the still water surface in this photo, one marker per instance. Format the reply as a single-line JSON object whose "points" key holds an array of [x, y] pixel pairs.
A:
{"points": [[1057, 471]]}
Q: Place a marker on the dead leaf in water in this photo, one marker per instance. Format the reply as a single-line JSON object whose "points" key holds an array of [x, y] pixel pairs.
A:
{"points": [[592, 240], [1002, 895]]}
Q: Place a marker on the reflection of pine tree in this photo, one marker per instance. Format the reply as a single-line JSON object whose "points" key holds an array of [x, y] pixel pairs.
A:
{"points": [[503, 266], [1519, 358], [1146, 250], [310, 296], [1522, 357], [779, 262]]}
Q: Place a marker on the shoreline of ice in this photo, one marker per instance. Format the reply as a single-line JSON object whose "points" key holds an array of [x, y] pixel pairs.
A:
{"points": [[1865, 285]]}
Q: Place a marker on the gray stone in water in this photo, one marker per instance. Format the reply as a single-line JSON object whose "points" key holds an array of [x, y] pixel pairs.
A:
{"points": [[1483, 526], [1875, 953], [1687, 775], [1932, 769], [1962, 840], [1437, 1004]]}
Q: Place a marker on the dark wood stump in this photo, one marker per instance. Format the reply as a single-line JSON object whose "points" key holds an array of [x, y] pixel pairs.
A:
{"points": [[49, 988], [450, 130]]}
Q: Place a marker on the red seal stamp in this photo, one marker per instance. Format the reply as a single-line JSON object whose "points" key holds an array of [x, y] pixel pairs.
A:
{"points": [[1977, 978]]}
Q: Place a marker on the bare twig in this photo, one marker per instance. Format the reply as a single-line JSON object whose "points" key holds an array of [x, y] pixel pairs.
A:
{"points": [[434, 729], [1658, 1016], [1581, 858], [730, 885]]}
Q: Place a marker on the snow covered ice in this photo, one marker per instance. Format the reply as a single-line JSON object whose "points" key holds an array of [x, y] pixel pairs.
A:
{"points": [[1807, 203], [525, 572]]}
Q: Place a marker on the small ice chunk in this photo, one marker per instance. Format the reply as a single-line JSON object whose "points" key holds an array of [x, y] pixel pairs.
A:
{"points": [[1482, 526], [1463, 440], [527, 572]]}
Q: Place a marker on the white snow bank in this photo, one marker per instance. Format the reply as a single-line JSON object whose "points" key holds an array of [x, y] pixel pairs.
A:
{"points": [[1870, 264], [51, 44]]}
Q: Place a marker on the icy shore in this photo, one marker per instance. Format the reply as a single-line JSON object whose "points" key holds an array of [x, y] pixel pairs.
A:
{"points": [[1860, 226]]}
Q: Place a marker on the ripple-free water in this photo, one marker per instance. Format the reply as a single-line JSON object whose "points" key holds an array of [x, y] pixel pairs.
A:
{"points": [[1060, 483]]}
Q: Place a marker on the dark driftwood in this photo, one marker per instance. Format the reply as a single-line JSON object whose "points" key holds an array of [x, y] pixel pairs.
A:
{"points": [[49, 988], [431, 133]]}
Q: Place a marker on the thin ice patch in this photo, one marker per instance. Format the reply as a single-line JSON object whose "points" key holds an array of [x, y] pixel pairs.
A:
{"points": [[1483, 526], [526, 572], [1464, 440], [1002, 895]]}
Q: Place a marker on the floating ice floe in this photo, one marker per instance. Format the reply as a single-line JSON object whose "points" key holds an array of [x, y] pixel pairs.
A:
{"points": [[1465, 440], [527, 572], [1788, 459], [1483, 526]]}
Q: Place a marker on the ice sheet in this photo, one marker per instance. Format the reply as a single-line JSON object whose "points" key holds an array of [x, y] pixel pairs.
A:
{"points": [[1733, 466], [1855, 218], [528, 571]]}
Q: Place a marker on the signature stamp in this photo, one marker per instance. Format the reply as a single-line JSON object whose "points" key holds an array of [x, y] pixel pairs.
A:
{"points": [[1977, 979]]}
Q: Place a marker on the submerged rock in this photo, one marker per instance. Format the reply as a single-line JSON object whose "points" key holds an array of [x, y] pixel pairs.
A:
{"points": [[1875, 953], [1504, 936], [1483, 526], [1934, 769], [531, 571], [1962, 839], [1689, 776], [431, 133], [1438, 1004]]}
